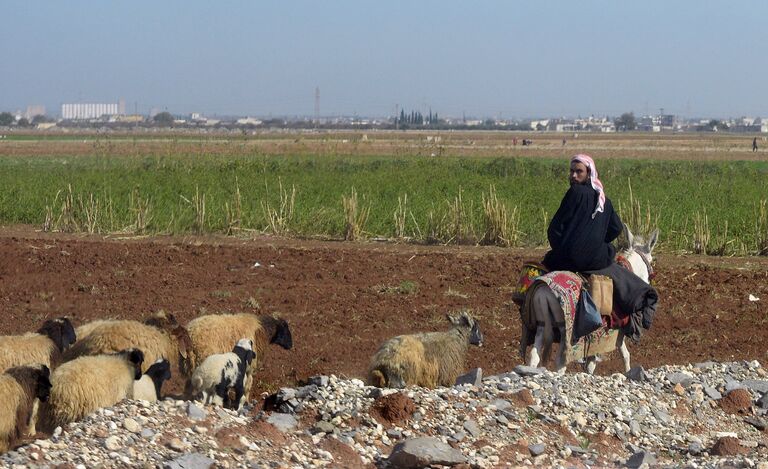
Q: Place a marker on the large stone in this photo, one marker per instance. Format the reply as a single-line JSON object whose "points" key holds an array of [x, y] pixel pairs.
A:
{"points": [[537, 449], [472, 427], [501, 404], [422, 452], [712, 393], [524, 370], [112, 443], [283, 422], [285, 394], [196, 413], [763, 401], [473, 377], [683, 379], [641, 458], [637, 373], [323, 426], [319, 381], [190, 461], [757, 385]]}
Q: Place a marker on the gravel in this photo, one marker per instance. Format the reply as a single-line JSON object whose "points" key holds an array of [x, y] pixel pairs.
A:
{"points": [[671, 417]]}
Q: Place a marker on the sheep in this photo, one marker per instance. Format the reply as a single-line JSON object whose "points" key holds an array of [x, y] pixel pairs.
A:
{"points": [[428, 359], [215, 333], [148, 387], [220, 379], [159, 336], [42, 347], [88, 383], [22, 388]]}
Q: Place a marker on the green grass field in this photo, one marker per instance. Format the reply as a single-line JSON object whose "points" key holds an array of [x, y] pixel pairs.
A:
{"points": [[710, 207]]}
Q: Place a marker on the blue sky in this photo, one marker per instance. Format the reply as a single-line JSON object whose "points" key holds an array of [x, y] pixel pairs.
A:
{"points": [[483, 58]]}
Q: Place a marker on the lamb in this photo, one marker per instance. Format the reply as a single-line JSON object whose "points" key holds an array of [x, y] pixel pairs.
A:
{"points": [[88, 383], [22, 388], [42, 347], [220, 379], [428, 359], [215, 333], [148, 387], [159, 336]]}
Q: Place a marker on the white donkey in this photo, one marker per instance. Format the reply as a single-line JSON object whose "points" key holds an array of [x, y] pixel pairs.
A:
{"points": [[548, 312]]}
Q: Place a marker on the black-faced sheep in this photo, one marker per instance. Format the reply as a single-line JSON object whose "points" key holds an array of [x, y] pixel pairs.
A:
{"points": [[216, 333], [159, 336], [88, 383], [42, 347], [21, 389], [220, 378], [428, 359], [148, 387]]}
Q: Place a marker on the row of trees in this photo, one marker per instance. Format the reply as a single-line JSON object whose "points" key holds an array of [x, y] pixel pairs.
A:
{"points": [[416, 118], [6, 119]]}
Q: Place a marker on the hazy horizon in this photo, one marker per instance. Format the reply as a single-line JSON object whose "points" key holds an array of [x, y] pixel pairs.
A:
{"points": [[483, 59]]}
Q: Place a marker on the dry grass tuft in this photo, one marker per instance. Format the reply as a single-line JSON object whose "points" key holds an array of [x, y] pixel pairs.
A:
{"points": [[355, 216], [501, 226]]}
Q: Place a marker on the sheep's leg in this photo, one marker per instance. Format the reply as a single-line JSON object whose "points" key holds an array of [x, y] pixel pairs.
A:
{"points": [[621, 344]]}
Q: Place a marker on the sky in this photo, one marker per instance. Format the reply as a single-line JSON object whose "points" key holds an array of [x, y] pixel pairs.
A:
{"points": [[500, 59]]}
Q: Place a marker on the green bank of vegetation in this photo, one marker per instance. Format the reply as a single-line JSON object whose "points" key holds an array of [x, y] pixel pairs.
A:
{"points": [[705, 207]]}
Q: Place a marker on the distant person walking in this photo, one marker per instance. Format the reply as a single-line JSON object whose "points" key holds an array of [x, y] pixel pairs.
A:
{"points": [[754, 144]]}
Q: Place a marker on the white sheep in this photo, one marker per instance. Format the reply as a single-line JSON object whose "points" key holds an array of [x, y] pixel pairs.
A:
{"points": [[428, 359], [42, 347], [21, 389], [220, 379], [159, 336], [88, 383], [215, 333], [148, 387]]}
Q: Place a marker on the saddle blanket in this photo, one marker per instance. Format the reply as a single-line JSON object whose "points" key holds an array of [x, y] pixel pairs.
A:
{"points": [[567, 288]]}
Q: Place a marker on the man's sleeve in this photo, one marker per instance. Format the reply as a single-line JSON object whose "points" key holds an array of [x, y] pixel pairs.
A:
{"points": [[561, 219], [614, 227]]}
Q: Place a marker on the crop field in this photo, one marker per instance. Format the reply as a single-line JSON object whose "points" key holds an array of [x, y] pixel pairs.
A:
{"points": [[705, 192]]}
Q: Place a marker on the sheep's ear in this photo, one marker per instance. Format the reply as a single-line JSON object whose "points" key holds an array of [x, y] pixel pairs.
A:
{"points": [[654, 238], [454, 319]]}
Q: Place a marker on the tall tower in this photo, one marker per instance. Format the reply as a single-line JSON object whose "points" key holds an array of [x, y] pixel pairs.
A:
{"points": [[317, 104]]}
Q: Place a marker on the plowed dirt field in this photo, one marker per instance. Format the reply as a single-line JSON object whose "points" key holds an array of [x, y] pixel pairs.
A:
{"points": [[343, 299]]}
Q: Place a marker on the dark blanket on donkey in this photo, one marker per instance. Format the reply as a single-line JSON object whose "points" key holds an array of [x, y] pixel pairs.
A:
{"points": [[632, 297]]}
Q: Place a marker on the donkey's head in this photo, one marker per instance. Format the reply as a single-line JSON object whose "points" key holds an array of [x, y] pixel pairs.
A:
{"points": [[639, 254]]}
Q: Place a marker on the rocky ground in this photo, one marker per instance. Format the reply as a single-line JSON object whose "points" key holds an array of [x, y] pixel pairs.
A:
{"points": [[704, 415]]}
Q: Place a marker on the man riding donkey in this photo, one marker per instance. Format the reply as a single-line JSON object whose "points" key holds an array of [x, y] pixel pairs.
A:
{"points": [[580, 236]]}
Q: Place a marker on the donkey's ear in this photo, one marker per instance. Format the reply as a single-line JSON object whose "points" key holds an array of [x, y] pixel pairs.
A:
{"points": [[652, 240], [630, 237]]}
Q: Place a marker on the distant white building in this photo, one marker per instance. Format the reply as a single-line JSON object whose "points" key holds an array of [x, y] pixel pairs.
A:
{"points": [[77, 111]]}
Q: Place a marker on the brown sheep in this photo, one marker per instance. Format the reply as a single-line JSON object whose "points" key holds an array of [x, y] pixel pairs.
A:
{"points": [[42, 347], [428, 359], [159, 336], [21, 389]]}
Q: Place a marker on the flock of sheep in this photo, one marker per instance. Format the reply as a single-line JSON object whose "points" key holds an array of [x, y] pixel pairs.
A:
{"points": [[60, 374]]}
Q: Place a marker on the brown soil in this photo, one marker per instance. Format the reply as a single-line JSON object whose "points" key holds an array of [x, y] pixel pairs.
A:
{"points": [[393, 409], [738, 401], [522, 398], [727, 446], [343, 454], [335, 298]]}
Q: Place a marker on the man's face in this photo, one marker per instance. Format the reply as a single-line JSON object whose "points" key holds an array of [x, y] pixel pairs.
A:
{"points": [[579, 173]]}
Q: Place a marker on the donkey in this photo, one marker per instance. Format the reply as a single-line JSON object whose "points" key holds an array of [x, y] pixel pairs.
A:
{"points": [[548, 312]]}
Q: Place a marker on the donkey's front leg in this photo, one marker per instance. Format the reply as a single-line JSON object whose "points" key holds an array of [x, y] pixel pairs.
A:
{"points": [[621, 344]]}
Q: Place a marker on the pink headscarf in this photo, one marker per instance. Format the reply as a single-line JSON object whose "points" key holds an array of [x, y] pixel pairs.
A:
{"points": [[587, 161]]}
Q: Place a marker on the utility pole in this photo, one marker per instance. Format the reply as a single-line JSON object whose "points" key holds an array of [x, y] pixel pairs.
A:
{"points": [[317, 105]]}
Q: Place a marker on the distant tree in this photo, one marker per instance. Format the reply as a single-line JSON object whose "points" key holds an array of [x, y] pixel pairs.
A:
{"points": [[40, 118], [23, 122], [6, 118], [715, 125], [163, 118], [626, 121]]}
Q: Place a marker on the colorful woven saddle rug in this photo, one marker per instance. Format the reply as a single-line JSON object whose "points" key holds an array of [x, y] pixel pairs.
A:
{"points": [[567, 288]]}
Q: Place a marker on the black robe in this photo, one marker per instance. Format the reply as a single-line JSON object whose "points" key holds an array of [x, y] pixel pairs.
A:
{"points": [[578, 241]]}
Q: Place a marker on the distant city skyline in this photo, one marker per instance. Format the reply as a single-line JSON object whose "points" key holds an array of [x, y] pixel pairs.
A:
{"points": [[482, 59]]}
